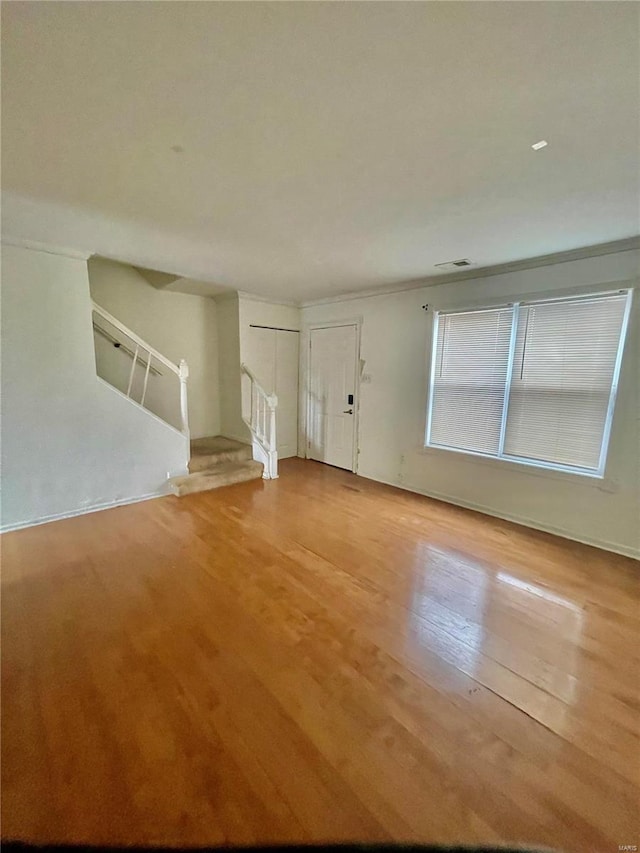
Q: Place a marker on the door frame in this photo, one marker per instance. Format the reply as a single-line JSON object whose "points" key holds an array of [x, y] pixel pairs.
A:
{"points": [[305, 371]]}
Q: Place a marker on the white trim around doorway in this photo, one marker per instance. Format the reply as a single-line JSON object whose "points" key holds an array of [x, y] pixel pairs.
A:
{"points": [[305, 369]]}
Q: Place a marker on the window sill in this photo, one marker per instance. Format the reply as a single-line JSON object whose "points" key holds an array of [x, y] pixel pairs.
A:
{"points": [[592, 481]]}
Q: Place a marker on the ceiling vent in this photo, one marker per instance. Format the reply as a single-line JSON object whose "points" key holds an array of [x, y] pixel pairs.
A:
{"points": [[452, 265]]}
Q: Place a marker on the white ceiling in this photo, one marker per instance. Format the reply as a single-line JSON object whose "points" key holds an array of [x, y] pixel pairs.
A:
{"points": [[300, 150]]}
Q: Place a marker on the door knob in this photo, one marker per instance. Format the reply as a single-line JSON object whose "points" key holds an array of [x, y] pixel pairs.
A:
{"points": [[348, 412]]}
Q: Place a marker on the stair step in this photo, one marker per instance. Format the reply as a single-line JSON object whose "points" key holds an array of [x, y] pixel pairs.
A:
{"points": [[222, 474], [207, 453]]}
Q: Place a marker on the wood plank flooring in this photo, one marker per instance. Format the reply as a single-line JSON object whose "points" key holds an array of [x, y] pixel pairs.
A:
{"points": [[317, 658]]}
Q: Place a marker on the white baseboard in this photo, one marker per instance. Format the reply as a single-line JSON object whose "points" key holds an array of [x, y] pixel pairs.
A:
{"points": [[516, 519], [59, 516]]}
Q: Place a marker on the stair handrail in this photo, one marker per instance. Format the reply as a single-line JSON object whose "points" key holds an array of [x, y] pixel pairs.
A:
{"points": [[262, 422], [113, 340], [181, 370], [252, 377], [135, 338]]}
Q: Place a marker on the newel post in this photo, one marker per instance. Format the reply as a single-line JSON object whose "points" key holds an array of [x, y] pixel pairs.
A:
{"points": [[184, 410], [272, 401]]}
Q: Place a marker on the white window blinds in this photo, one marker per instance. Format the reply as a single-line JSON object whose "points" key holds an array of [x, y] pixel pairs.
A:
{"points": [[563, 369], [471, 363], [532, 383]]}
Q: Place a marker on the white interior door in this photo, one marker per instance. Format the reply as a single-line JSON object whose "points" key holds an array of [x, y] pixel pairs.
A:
{"points": [[332, 388], [272, 356]]}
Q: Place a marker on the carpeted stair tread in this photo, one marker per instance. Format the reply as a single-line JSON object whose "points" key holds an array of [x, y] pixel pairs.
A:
{"points": [[209, 452], [222, 474]]}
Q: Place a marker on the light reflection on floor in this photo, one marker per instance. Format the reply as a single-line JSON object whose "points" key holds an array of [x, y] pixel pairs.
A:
{"points": [[443, 623], [460, 611]]}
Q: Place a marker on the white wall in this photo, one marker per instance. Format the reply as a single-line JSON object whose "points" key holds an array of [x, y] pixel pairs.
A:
{"points": [[69, 441], [178, 326], [231, 423], [395, 350]]}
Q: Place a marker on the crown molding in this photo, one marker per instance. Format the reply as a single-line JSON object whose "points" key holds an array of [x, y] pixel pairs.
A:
{"points": [[21, 243], [613, 247], [627, 245]]}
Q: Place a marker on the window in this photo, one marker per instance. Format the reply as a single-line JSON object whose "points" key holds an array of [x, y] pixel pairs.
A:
{"points": [[532, 382]]}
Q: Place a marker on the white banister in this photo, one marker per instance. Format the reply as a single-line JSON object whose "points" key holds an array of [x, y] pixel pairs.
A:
{"points": [[146, 380], [184, 411], [181, 370], [272, 427], [134, 361], [261, 421]]}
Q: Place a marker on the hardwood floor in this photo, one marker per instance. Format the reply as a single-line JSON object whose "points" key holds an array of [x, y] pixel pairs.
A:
{"points": [[317, 658]]}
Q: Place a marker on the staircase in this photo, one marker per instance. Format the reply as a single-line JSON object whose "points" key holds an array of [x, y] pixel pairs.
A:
{"points": [[153, 383], [217, 462], [259, 414]]}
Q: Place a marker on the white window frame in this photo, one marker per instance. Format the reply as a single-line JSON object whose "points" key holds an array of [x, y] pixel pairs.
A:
{"points": [[500, 456]]}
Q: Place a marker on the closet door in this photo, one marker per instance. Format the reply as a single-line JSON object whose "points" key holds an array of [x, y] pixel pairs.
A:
{"points": [[260, 356], [286, 387], [272, 356]]}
